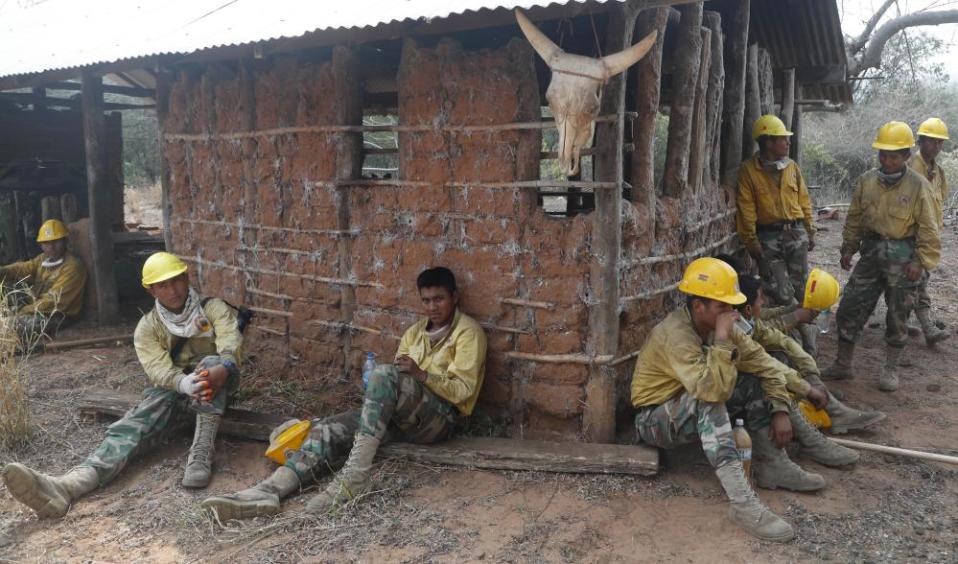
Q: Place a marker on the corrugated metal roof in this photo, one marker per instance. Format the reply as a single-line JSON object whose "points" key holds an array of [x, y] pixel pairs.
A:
{"points": [[63, 34]]}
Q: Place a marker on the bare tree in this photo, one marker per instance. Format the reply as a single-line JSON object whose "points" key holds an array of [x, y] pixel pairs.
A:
{"points": [[865, 51]]}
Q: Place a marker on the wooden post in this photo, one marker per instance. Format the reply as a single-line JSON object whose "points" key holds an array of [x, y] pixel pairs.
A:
{"points": [[734, 98], [766, 82], [714, 101], [598, 419], [788, 96], [163, 84], [697, 158], [684, 76], [753, 103], [796, 149], [101, 237]]}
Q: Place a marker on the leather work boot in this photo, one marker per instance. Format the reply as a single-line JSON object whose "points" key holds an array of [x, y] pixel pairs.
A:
{"points": [[888, 377], [841, 369], [261, 499], [199, 466], [48, 496], [845, 419], [817, 446], [772, 469], [747, 510], [350, 482], [932, 333]]}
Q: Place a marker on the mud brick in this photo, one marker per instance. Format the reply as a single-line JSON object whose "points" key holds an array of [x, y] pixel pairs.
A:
{"points": [[558, 400]]}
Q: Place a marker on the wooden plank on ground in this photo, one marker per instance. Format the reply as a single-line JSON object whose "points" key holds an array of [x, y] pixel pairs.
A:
{"points": [[473, 452]]}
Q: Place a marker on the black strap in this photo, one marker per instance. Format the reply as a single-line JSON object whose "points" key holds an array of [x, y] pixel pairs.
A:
{"points": [[243, 318]]}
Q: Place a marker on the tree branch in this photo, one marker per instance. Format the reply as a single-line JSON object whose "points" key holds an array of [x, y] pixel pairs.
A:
{"points": [[871, 57], [857, 44]]}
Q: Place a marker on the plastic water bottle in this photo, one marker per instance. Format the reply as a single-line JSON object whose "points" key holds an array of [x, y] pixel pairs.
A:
{"points": [[368, 368], [823, 320], [743, 443]]}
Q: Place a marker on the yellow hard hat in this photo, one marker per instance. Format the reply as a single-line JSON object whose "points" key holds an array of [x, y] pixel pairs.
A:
{"points": [[894, 136], [821, 290], [161, 266], [769, 125], [933, 127], [713, 279], [51, 230], [290, 439]]}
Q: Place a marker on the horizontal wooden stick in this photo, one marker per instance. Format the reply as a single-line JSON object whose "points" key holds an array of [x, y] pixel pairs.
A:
{"points": [[710, 221], [688, 254], [267, 311], [260, 227], [560, 358], [899, 451], [621, 359], [649, 294], [527, 303], [258, 292], [341, 325], [323, 279], [371, 182], [501, 329], [60, 345], [268, 330]]}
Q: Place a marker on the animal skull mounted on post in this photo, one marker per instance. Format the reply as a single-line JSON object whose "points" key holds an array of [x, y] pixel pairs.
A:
{"points": [[575, 88]]}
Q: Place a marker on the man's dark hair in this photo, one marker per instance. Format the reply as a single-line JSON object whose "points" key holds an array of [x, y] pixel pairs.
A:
{"points": [[436, 278], [731, 261], [762, 140], [904, 152], [750, 286]]}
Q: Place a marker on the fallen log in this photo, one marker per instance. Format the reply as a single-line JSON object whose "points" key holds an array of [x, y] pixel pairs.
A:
{"points": [[473, 452], [899, 451], [60, 345]]}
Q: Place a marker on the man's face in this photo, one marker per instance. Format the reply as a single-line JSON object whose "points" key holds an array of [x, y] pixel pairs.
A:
{"points": [[754, 310], [778, 147], [892, 162], [439, 304], [930, 147], [706, 312], [54, 250], [172, 293]]}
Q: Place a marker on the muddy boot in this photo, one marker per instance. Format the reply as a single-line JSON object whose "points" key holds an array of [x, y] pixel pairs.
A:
{"points": [[261, 499], [199, 466], [845, 419], [932, 333], [49, 496], [809, 335], [772, 469], [350, 482], [841, 369], [905, 360], [747, 510], [817, 446], [888, 377]]}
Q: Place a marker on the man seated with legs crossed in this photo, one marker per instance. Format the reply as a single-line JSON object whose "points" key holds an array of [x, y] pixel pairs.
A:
{"points": [[189, 348], [432, 386], [696, 371]]}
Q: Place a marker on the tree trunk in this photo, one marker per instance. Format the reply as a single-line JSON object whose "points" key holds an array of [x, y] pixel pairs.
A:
{"points": [[733, 115], [714, 102], [788, 97], [647, 93], [684, 77], [697, 159], [753, 103]]}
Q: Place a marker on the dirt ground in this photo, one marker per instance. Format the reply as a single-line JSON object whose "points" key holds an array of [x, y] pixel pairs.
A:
{"points": [[887, 508]]}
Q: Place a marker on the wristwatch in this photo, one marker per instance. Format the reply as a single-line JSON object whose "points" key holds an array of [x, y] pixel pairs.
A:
{"points": [[230, 365]]}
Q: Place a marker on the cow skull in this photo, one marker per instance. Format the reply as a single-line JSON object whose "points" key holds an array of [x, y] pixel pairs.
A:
{"points": [[574, 90]]}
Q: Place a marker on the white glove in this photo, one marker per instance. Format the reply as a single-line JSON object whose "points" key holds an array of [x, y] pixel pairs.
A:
{"points": [[277, 431], [189, 384]]}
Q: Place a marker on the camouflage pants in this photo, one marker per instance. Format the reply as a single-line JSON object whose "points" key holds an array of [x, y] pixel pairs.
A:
{"points": [[923, 301], [684, 419], [153, 420], [880, 270], [784, 264], [396, 407]]}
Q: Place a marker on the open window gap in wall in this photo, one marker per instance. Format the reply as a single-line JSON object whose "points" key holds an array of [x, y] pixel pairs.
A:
{"points": [[380, 148]]}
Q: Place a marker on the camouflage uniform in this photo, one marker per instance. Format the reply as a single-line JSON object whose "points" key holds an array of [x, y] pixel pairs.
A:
{"points": [[684, 419], [939, 190], [396, 407], [784, 264]]}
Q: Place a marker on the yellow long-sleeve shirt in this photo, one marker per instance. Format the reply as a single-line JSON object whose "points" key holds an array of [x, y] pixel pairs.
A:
{"points": [[456, 364], [153, 343], [675, 359], [772, 339], [59, 288], [935, 175], [900, 211], [764, 198], [782, 318]]}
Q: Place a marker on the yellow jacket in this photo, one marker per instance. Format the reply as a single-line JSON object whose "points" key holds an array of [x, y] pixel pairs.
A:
{"points": [[772, 339], [456, 365], [674, 358], [903, 210], [782, 318], [764, 199], [153, 343], [59, 288], [939, 184]]}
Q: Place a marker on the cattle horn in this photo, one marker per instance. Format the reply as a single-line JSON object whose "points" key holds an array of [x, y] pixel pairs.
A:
{"points": [[549, 51], [618, 62]]}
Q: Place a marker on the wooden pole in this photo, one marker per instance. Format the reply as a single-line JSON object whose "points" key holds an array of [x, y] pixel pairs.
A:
{"points": [[163, 80], [899, 451], [788, 96], [766, 82], [101, 237], [684, 76], [697, 158], [714, 102], [796, 149], [598, 420], [648, 90], [736, 55], [60, 345], [753, 103]]}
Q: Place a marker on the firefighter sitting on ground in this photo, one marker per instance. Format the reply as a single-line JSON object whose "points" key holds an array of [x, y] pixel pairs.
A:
{"points": [[56, 279], [433, 385], [189, 348], [805, 383], [696, 371]]}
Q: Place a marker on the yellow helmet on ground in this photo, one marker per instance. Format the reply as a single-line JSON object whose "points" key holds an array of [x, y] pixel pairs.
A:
{"points": [[821, 290], [52, 230], [290, 439], [713, 279], [894, 136], [933, 127], [769, 125], [161, 266]]}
